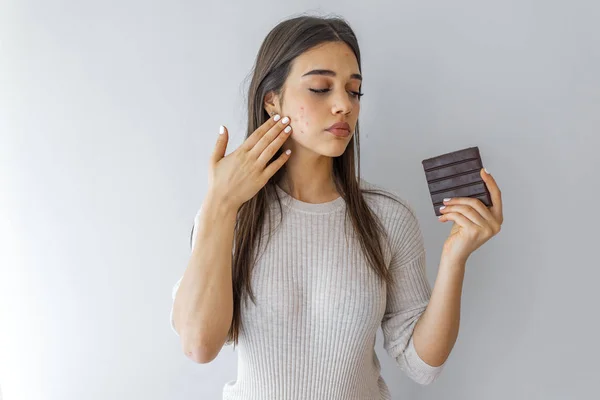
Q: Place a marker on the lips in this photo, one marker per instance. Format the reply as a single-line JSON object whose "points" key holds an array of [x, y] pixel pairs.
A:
{"points": [[339, 126], [339, 132], [340, 129]]}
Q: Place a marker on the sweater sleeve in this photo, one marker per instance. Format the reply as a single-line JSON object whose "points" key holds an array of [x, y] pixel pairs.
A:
{"points": [[407, 298]]}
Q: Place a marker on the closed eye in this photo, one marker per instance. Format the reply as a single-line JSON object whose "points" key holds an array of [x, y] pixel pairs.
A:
{"points": [[357, 95]]}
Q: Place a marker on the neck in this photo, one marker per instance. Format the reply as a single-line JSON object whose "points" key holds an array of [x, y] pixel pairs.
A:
{"points": [[308, 185]]}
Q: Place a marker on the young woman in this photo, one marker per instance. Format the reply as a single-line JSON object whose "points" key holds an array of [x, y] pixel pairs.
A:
{"points": [[325, 256]]}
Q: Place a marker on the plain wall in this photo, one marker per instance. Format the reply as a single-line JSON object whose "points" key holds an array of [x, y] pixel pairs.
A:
{"points": [[109, 112]]}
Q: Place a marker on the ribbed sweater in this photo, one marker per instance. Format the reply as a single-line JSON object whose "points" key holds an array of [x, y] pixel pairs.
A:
{"points": [[311, 334]]}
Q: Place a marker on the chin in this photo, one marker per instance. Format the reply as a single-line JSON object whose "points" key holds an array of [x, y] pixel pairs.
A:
{"points": [[334, 152]]}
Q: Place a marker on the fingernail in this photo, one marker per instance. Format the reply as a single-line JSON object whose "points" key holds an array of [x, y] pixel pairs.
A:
{"points": [[221, 130], [277, 117], [285, 120], [486, 171], [287, 129], [446, 200], [442, 207]]}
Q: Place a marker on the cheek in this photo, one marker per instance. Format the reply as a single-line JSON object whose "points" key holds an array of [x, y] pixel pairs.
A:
{"points": [[302, 121]]}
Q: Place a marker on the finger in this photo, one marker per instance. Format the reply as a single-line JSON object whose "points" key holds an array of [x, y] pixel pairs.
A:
{"points": [[221, 146], [270, 151], [459, 219], [495, 194], [276, 165], [251, 141], [466, 211], [474, 203], [267, 138]]}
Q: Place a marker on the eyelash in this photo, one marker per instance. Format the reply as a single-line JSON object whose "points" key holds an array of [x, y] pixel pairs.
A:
{"points": [[357, 95]]}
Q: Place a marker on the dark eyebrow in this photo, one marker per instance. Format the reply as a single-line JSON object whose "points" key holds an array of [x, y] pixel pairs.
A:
{"points": [[328, 72]]}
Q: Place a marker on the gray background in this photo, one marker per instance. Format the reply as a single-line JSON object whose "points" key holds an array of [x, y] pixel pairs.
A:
{"points": [[110, 109]]}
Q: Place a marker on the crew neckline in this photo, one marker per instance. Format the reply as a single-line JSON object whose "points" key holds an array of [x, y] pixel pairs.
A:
{"points": [[316, 208]]}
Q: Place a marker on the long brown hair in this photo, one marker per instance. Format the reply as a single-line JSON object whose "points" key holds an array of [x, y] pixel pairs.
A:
{"points": [[282, 45]]}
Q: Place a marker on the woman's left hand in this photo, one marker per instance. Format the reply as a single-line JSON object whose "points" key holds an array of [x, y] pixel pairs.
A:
{"points": [[474, 223]]}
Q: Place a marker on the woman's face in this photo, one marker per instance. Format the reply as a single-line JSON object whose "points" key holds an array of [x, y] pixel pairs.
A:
{"points": [[332, 68]]}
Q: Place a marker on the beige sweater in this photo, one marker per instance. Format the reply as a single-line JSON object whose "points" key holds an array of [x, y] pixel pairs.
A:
{"points": [[311, 334]]}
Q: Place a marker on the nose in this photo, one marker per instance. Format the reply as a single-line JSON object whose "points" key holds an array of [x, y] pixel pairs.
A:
{"points": [[341, 103]]}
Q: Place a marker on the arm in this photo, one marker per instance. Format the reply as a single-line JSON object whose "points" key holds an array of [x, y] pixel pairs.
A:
{"points": [[436, 330], [203, 304], [474, 224]]}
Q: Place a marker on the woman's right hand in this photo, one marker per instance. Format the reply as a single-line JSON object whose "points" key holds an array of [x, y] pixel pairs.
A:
{"points": [[237, 177]]}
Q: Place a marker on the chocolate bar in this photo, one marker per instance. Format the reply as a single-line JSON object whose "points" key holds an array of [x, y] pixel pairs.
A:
{"points": [[456, 174]]}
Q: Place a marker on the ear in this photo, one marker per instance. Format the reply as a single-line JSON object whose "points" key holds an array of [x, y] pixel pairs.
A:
{"points": [[270, 103]]}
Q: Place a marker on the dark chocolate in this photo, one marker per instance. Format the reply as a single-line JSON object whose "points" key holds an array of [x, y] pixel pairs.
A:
{"points": [[456, 174]]}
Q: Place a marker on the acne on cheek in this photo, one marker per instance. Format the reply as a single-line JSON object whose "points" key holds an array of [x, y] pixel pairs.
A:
{"points": [[300, 124], [301, 120]]}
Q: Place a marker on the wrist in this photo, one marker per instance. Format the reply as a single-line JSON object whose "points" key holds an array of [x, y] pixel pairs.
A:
{"points": [[452, 261], [219, 206]]}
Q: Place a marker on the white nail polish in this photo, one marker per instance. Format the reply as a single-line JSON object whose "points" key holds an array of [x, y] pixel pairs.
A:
{"points": [[486, 171], [277, 117], [447, 199], [287, 129], [442, 207], [221, 130], [285, 120]]}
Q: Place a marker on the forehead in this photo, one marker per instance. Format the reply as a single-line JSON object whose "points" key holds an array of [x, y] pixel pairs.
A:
{"points": [[336, 56]]}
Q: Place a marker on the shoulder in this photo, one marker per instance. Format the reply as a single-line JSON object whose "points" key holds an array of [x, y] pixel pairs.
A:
{"points": [[398, 217], [386, 203]]}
